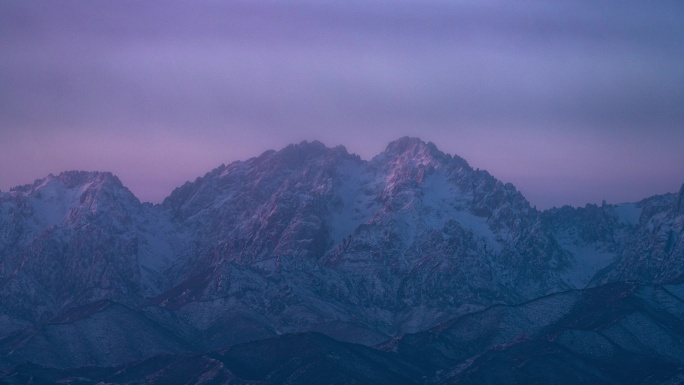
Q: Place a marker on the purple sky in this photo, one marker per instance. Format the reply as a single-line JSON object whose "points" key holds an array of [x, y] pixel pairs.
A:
{"points": [[573, 102]]}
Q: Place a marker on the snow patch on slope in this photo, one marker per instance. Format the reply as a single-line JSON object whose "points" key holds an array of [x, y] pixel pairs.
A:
{"points": [[587, 260], [51, 202], [157, 251], [354, 203], [447, 202], [628, 213]]}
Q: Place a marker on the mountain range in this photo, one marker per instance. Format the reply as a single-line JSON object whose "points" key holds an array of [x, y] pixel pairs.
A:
{"points": [[310, 264]]}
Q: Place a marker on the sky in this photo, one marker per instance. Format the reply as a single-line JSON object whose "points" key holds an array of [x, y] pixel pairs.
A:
{"points": [[573, 102]]}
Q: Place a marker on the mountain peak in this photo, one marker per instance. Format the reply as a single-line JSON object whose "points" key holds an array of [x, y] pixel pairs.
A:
{"points": [[306, 149], [71, 180], [411, 144], [411, 151], [306, 145]]}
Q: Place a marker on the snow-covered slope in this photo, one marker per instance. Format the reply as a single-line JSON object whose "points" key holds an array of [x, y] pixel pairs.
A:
{"points": [[632, 241], [654, 250], [623, 333]]}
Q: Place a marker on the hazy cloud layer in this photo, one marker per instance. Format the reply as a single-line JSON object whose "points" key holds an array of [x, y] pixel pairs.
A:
{"points": [[573, 103]]}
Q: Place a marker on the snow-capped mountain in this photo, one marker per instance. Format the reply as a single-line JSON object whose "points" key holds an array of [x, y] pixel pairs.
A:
{"points": [[75, 238], [305, 239], [312, 238]]}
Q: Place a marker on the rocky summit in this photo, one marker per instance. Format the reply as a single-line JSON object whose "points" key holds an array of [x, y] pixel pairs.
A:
{"points": [[410, 267]]}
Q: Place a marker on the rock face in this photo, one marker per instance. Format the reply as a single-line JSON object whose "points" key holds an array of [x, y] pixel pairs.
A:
{"points": [[305, 239]]}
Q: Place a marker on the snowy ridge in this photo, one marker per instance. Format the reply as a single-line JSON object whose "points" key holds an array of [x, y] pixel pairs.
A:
{"points": [[311, 238]]}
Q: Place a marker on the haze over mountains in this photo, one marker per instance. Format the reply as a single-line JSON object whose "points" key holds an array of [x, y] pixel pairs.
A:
{"points": [[412, 267]]}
